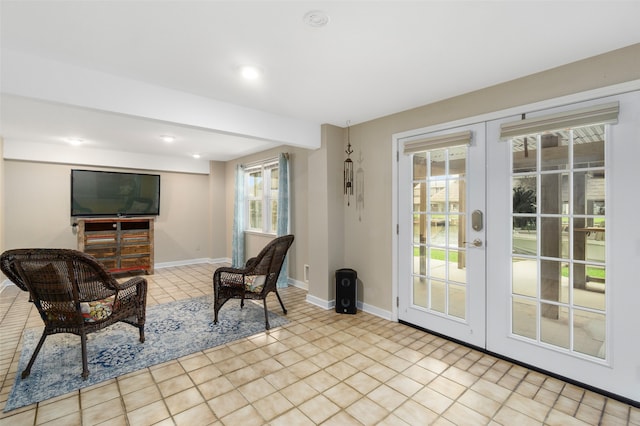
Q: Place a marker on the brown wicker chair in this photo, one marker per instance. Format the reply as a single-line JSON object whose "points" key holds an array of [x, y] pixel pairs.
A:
{"points": [[74, 294], [255, 281]]}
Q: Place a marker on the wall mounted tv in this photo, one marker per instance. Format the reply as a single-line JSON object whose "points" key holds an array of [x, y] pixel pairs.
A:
{"points": [[100, 193]]}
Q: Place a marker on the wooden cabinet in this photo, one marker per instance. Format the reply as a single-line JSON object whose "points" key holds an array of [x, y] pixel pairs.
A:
{"points": [[121, 244]]}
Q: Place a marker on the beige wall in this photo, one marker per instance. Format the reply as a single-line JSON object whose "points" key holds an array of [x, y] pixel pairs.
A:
{"points": [[36, 211], [217, 207], [326, 231], [183, 229], [368, 243], [298, 255]]}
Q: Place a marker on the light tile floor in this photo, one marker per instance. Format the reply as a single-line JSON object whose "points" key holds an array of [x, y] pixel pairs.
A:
{"points": [[321, 368]]}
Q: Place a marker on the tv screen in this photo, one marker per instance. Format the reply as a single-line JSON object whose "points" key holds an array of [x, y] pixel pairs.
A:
{"points": [[98, 193]]}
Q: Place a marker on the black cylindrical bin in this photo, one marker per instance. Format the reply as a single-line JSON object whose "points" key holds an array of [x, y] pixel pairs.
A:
{"points": [[346, 291]]}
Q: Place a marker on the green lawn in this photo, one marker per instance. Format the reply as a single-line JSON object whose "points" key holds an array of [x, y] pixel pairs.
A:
{"points": [[438, 254], [591, 271]]}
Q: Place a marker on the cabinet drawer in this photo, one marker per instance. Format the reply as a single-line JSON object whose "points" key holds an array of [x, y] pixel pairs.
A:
{"points": [[102, 252], [100, 238], [135, 249], [100, 226], [132, 237], [129, 262]]}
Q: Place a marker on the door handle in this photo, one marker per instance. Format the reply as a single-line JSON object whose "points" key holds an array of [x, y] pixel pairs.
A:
{"points": [[476, 243]]}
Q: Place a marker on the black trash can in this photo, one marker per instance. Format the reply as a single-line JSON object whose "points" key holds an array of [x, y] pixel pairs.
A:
{"points": [[346, 291]]}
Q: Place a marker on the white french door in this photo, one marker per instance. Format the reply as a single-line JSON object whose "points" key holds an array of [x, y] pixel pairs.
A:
{"points": [[546, 270], [441, 258], [563, 284]]}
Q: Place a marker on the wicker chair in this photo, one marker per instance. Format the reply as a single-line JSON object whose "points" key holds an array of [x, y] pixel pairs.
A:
{"points": [[74, 294], [256, 280]]}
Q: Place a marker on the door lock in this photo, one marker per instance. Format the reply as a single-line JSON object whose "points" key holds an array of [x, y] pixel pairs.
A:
{"points": [[476, 220]]}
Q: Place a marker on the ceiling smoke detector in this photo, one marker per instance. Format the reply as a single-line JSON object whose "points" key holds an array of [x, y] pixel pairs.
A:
{"points": [[316, 18]]}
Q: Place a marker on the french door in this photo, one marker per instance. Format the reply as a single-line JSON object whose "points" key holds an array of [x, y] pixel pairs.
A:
{"points": [[527, 245], [441, 258], [564, 281]]}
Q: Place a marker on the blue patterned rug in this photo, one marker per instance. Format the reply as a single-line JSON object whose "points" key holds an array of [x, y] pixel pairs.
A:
{"points": [[172, 330]]}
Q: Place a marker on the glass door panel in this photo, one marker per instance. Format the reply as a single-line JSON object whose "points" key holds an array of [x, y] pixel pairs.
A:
{"points": [[558, 244], [438, 253]]}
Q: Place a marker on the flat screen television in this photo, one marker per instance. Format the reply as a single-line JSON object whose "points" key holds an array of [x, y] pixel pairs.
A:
{"points": [[100, 193]]}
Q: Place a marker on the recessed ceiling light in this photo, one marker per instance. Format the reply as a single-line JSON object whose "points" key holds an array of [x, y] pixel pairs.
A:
{"points": [[167, 138], [196, 155], [316, 18], [74, 141], [250, 72]]}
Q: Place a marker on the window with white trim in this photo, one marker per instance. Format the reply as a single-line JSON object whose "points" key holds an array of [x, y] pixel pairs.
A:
{"points": [[261, 189]]}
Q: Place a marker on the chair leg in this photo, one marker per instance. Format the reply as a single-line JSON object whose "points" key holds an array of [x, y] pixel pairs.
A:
{"points": [[141, 328], [27, 370], [217, 305], [85, 369], [266, 315], [281, 304]]}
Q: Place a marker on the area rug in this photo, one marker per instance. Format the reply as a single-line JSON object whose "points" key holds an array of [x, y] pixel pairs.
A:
{"points": [[172, 330]]}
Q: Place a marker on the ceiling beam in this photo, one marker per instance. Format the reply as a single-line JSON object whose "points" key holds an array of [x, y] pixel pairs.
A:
{"points": [[44, 79]]}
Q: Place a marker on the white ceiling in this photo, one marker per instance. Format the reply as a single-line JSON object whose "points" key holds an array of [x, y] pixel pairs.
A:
{"points": [[371, 60]]}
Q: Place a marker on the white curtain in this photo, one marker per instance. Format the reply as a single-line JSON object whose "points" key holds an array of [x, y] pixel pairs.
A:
{"points": [[237, 256], [283, 211]]}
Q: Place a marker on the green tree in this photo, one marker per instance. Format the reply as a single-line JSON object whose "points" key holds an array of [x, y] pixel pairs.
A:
{"points": [[524, 201]]}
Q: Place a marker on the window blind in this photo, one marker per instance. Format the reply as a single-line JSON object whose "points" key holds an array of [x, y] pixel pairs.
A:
{"points": [[267, 163], [438, 142], [598, 114]]}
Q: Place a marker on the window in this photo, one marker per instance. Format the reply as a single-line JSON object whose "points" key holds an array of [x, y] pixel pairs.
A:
{"points": [[261, 183]]}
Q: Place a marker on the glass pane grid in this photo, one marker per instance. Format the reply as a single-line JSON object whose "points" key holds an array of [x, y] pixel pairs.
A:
{"points": [[261, 185], [438, 261], [558, 242]]}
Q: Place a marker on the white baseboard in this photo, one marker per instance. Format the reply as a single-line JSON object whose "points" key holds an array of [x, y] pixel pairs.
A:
{"points": [[298, 284], [373, 310], [330, 304], [324, 304]]}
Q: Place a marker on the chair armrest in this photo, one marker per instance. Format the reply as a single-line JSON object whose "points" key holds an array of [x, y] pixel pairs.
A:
{"points": [[250, 262], [135, 281], [231, 270], [229, 276], [135, 286]]}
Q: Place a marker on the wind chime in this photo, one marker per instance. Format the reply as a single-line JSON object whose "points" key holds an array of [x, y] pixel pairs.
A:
{"points": [[348, 169]]}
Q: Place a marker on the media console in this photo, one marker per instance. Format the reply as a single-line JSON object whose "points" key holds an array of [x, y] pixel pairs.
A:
{"points": [[120, 244]]}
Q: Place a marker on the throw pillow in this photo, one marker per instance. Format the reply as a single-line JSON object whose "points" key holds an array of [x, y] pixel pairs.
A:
{"points": [[254, 283]]}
